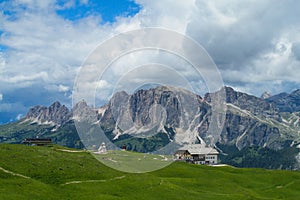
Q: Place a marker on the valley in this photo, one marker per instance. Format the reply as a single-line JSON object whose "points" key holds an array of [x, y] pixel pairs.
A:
{"points": [[148, 120]]}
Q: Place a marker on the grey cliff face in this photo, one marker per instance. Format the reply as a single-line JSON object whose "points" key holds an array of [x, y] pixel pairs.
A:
{"points": [[246, 124], [182, 116], [243, 131], [153, 110], [287, 102], [255, 105], [265, 95], [82, 112]]}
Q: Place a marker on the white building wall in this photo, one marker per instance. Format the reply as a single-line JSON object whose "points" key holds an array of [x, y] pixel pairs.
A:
{"points": [[212, 159]]}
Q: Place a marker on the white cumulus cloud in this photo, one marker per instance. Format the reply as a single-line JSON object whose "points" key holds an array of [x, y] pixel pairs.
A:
{"points": [[63, 88], [253, 43]]}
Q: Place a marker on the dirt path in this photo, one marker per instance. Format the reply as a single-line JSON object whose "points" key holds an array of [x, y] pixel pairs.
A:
{"points": [[13, 173], [93, 181], [221, 165], [70, 151]]}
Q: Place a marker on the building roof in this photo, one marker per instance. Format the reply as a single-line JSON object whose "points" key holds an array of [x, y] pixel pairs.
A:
{"points": [[199, 149], [37, 141]]}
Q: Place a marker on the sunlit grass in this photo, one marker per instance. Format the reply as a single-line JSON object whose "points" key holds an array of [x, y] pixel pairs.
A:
{"points": [[56, 174]]}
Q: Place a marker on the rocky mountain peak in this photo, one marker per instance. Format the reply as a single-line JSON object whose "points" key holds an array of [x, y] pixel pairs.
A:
{"points": [[287, 102], [296, 92], [83, 112], [265, 95], [156, 110], [55, 114], [295, 96], [80, 105], [244, 101], [35, 111], [55, 104]]}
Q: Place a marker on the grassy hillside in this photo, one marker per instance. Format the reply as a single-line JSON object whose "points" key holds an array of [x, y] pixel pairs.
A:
{"points": [[16, 132], [51, 173]]}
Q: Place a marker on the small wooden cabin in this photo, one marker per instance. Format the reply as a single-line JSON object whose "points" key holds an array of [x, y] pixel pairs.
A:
{"points": [[38, 141]]}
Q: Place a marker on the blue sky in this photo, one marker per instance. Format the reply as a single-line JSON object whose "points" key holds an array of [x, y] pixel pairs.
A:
{"points": [[255, 44], [15, 101], [107, 9]]}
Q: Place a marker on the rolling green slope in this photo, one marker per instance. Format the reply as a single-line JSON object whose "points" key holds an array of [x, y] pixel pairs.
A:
{"points": [[54, 173], [16, 132]]}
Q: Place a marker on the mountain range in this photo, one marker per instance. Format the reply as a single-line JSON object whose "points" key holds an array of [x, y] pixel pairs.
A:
{"points": [[256, 131]]}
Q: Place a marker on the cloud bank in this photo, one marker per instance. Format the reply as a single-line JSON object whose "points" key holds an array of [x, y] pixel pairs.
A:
{"points": [[255, 44]]}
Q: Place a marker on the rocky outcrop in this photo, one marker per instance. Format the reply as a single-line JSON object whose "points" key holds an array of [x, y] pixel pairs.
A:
{"points": [[265, 95], [56, 114], [244, 131], [256, 106], [151, 111], [286, 102], [82, 112], [249, 119], [181, 115]]}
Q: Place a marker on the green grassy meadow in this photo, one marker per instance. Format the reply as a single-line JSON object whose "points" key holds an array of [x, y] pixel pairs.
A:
{"points": [[52, 173], [130, 161]]}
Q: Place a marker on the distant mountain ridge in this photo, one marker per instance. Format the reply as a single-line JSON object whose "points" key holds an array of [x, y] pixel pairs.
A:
{"points": [[265, 95], [55, 114], [149, 119], [286, 102]]}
